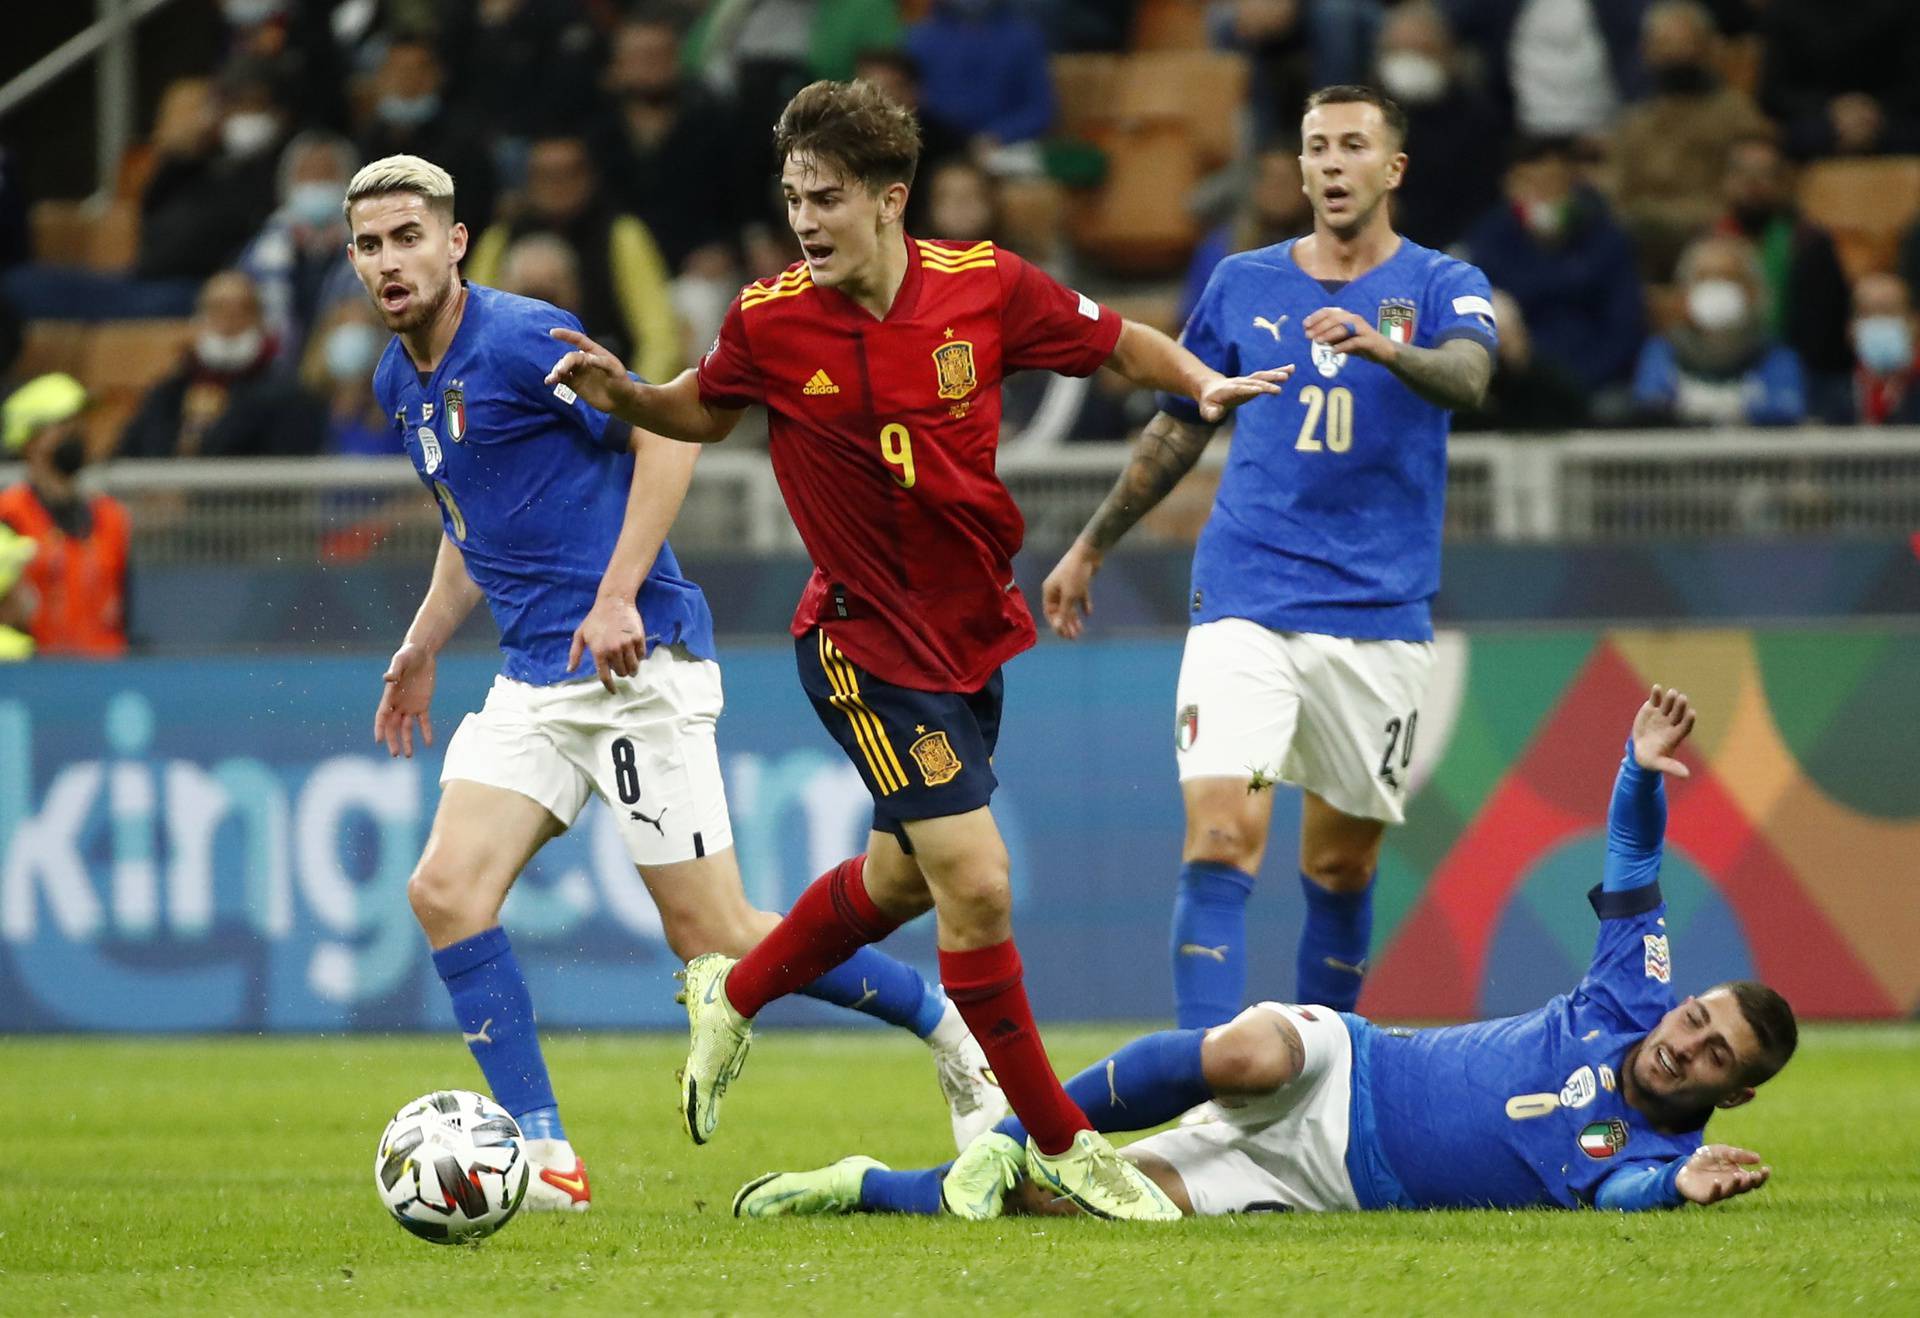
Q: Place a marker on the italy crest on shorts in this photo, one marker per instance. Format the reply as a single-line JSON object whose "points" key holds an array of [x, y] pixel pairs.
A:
{"points": [[934, 756], [1396, 319], [454, 400], [953, 365], [1186, 727]]}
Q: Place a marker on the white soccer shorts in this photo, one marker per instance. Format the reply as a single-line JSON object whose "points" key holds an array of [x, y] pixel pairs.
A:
{"points": [[1284, 1152], [1336, 716], [647, 750]]}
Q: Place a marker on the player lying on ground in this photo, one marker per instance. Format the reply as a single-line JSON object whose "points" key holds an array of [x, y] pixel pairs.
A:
{"points": [[533, 486], [1599, 1098], [1311, 641], [879, 359]]}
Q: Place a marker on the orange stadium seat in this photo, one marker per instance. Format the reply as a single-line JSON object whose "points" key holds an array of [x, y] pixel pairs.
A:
{"points": [[1031, 211], [114, 243], [1865, 204], [130, 356], [1170, 25], [54, 345], [1083, 89], [62, 233]]}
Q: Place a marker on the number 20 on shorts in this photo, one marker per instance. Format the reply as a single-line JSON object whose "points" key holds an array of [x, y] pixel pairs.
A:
{"points": [[896, 449], [1335, 405]]}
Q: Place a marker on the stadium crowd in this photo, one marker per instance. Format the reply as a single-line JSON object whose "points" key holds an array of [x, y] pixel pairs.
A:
{"points": [[1693, 212]]}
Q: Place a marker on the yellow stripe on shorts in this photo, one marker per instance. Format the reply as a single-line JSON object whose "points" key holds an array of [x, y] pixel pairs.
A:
{"points": [[867, 730]]}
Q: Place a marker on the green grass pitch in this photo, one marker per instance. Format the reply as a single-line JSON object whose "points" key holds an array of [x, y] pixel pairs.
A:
{"points": [[226, 1176]]}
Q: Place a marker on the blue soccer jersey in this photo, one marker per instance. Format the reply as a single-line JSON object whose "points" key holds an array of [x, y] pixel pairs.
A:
{"points": [[1529, 1110], [532, 484], [1328, 516]]}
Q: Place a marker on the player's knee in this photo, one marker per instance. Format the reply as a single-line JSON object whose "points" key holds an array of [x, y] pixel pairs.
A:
{"points": [[1336, 868], [693, 931], [441, 898], [1249, 1055], [975, 901], [1223, 840]]}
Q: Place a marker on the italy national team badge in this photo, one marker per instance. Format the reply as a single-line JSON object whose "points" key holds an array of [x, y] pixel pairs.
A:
{"points": [[429, 448], [1603, 1139], [953, 363], [1659, 963], [1396, 319], [1186, 728], [455, 401], [934, 754]]}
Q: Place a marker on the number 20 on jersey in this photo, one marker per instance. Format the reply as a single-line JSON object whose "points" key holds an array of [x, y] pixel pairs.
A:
{"points": [[1328, 423]]}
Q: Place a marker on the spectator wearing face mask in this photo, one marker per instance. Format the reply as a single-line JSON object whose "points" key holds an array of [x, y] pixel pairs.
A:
{"points": [[1671, 149], [338, 370], [212, 186], [1555, 246], [1719, 366], [1452, 177], [297, 42], [77, 580], [295, 262], [1886, 383], [411, 116], [226, 399], [1527, 394]]}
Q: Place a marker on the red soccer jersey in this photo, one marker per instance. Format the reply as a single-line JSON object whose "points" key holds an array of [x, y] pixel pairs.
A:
{"points": [[883, 440]]}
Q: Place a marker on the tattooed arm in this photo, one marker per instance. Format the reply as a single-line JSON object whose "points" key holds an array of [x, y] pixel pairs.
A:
{"points": [[1454, 375], [1164, 453]]}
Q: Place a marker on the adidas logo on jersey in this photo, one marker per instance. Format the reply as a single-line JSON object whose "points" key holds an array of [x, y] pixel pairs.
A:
{"points": [[820, 384]]}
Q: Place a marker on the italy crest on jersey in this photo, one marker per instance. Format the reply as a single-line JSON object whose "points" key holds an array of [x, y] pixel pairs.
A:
{"points": [[953, 364], [1396, 319], [454, 399]]}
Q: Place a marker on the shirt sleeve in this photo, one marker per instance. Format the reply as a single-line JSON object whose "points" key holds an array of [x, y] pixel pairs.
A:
{"points": [[1638, 1187], [1463, 306], [532, 352], [1046, 326], [727, 375], [1205, 339]]}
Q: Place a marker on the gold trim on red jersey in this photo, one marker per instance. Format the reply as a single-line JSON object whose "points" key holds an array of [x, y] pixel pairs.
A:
{"points": [[952, 261], [845, 680], [787, 285]]}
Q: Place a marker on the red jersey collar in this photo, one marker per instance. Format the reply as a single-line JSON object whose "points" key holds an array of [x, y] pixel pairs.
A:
{"points": [[905, 300]]}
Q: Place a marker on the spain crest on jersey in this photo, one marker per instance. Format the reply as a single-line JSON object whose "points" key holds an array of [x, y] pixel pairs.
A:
{"points": [[1396, 319], [454, 399], [953, 363]]}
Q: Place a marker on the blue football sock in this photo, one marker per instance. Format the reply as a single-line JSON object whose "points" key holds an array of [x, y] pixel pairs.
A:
{"points": [[495, 1012], [870, 981], [1333, 946], [903, 1192], [1209, 944], [1153, 1079]]}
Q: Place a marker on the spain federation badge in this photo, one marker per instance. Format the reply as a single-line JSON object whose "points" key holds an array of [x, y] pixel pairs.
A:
{"points": [[1396, 319], [953, 364], [454, 400], [934, 756]]}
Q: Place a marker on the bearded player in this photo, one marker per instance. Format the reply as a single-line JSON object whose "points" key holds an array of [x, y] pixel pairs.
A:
{"points": [[1311, 640], [533, 486], [1600, 1098], [879, 359]]}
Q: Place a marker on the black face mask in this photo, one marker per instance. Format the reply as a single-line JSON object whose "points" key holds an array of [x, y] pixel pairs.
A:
{"points": [[1681, 79], [69, 455], [1753, 220]]}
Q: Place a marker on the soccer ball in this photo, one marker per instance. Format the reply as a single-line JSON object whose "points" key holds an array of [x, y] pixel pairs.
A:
{"points": [[452, 1167]]}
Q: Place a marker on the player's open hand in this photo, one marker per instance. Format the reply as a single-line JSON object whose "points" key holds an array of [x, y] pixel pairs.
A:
{"points": [[1226, 392], [613, 633], [590, 371], [1067, 596], [1349, 334], [1662, 724], [404, 700], [1720, 1171]]}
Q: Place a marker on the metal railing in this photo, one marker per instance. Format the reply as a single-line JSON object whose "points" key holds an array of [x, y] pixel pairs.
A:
{"points": [[1576, 488]]}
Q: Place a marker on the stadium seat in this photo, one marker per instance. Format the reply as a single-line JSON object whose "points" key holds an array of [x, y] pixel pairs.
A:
{"points": [[1158, 309], [54, 345], [1865, 204], [1202, 90], [62, 232], [1170, 25], [1137, 222], [130, 356], [1083, 88], [1032, 210]]}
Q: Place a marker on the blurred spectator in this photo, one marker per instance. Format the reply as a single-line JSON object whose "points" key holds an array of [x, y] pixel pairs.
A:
{"points": [[78, 576], [626, 302], [1807, 302], [1082, 25], [1555, 247], [1886, 385], [1527, 394], [1720, 366], [212, 186], [963, 202], [983, 71], [1294, 46], [296, 42], [897, 73], [760, 52], [225, 400], [411, 117], [673, 153], [1275, 207], [544, 267], [519, 67], [1452, 175], [1671, 149], [298, 262], [1562, 66], [17, 600], [347, 344], [1844, 79]]}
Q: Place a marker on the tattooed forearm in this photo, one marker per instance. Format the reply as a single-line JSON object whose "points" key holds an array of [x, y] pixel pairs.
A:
{"points": [[1165, 452], [1454, 375], [1291, 1038]]}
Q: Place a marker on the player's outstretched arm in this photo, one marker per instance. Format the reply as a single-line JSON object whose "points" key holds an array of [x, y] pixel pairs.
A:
{"points": [[408, 683], [613, 631], [1637, 816], [673, 409], [1153, 361], [1164, 453], [1454, 375], [1720, 1171], [1660, 725]]}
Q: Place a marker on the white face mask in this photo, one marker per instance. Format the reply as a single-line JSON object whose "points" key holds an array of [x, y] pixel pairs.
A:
{"points": [[1412, 77], [228, 353], [1717, 304], [244, 134]]}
